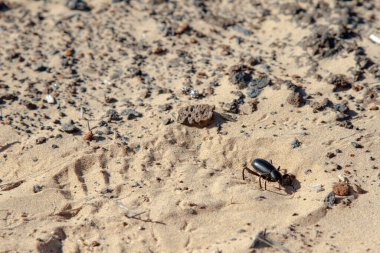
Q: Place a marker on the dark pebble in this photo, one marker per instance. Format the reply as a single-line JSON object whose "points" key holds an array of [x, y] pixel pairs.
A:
{"points": [[260, 82], [40, 140], [113, 115], [78, 5], [330, 155], [3, 7], [30, 105], [167, 121], [54, 146], [253, 92], [296, 143], [131, 114], [330, 199], [69, 127], [356, 145], [165, 107], [37, 188], [341, 108]]}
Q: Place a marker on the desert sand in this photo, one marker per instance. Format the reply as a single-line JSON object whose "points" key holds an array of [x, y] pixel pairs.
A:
{"points": [[295, 82]]}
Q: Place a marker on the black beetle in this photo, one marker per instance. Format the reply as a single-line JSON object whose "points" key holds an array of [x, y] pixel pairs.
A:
{"points": [[269, 173]]}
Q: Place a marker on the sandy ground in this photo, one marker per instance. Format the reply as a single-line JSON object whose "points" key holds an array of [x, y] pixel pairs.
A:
{"points": [[297, 84]]}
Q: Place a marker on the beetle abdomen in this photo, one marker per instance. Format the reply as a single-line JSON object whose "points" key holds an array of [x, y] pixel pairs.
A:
{"points": [[263, 166]]}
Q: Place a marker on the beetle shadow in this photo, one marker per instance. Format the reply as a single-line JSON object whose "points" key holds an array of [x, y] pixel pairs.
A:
{"points": [[291, 189]]}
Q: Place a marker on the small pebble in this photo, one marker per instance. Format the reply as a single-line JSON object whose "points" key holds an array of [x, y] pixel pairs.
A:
{"points": [[356, 145], [131, 114], [296, 143], [330, 199], [40, 140], [69, 127], [37, 188]]}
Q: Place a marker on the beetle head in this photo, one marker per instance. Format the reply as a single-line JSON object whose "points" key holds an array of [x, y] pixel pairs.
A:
{"points": [[287, 180]]}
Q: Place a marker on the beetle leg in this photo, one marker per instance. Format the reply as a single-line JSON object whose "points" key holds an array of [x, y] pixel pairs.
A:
{"points": [[260, 183], [278, 168], [265, 184], [244, 168]]}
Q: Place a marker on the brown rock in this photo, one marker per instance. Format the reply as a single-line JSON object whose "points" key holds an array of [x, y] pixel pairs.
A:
{"points": [[296, 99], [70, 52], [341, 189], [320, 106], [340, 82], [196, 115]]}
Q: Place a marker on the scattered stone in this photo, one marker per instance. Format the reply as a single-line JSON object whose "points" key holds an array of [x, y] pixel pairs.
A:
{"points": [[261, 82], [232, 107], [131, 114], [340, 82], [342, 117], [9, 96], [320, 106], [29, 105], [239, 29], [341, 189], [69, 127], [240, 75], [193, 93], [253, 92], [37, 188], [296, 99], [296, 143], [196, 115], [54, 146], [343, 108], [356, 145], [110, 100], [95, 244], [78, 5], [113, 115], [167, 121], [51, 245], [330, 155], [50, 99], [40, 140], [323, 42], [165, 107], [3, 7], [330, 199]]}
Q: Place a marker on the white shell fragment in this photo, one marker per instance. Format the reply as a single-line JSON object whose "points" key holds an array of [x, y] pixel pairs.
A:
{"points": [[317, 187], [50, 99], [375, 38]]}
